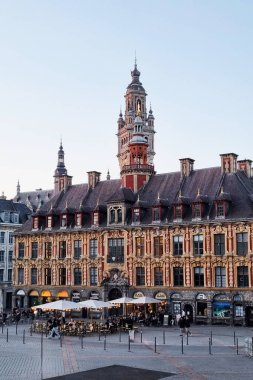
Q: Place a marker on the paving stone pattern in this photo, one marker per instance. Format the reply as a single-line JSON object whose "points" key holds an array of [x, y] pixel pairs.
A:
{"points": [[197, 361]]}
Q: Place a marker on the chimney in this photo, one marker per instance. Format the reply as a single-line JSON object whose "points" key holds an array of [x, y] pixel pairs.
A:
{"points": [[228, 162], [245, 165], [93, 179], [186, 166]]}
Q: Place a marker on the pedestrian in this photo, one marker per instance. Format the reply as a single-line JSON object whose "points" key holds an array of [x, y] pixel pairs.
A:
{"points": [[187, 325], [181, 324], [54, 330]]}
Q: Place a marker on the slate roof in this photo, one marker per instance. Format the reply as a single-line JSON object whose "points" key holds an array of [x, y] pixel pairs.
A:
{"points": [[10, 206], [162, 190], [34, 199]]}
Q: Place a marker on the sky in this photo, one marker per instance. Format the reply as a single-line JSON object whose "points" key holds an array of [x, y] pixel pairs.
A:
{"points": [[65, 66]]}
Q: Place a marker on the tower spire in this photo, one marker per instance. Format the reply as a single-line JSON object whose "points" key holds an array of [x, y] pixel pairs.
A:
{"points": [[61, 178]]}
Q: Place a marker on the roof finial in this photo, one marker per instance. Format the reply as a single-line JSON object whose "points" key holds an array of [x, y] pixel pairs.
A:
{"points": [[221, 190], [18, 188], [198, 194], [66, 206], [138, 200], [135, 60], [108, 177], [180, 193], [158, 196]]}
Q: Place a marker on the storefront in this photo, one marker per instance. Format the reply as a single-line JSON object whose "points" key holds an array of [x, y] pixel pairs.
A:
{"points": [[175, 302], [33, 298], [201, 308], [46, 296]]}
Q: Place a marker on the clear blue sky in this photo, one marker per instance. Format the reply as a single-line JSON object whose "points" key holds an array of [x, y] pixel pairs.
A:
{"points": [[65, 65]]}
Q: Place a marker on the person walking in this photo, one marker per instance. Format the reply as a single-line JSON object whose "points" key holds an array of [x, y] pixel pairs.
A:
{"points": [[54, 330], [187, 325], [181, 324]]}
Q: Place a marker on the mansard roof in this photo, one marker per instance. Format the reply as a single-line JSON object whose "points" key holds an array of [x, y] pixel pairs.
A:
{"points": [[204, 185], [34, 199], [14, 207]]}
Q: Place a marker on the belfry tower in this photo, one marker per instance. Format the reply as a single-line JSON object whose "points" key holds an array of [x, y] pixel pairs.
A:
{"points": [[61, 178], [135, 136]]}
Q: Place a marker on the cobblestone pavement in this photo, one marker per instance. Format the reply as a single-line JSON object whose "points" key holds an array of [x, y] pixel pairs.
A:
{"points": [[211, 353]]}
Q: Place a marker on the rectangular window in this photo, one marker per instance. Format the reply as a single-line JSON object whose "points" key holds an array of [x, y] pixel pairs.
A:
{"points": [[35, 223], [64, 221], [49, 221], [242, 243], [198, 245], [1, 275], [48, 249], [158, 246], [6, 217], [198, 276], [77, 249], [48, 276], [62, 249], [93, 276], [158, 276], [220, 210], [10, 255], [115, 251], [10, 275], [34, 276], [1, 256], [178, 212], [93, 248], [140, 276], [219, 244], [197, 211], [77, 276], [20, 276], [34, 250], [156, 214], [10, 238], [136, 215], [220, 277], [62, 276], [21, 251], [2, 237], [96, 218], [139, 242], [78, 220], [177, 245], [178, 276], [242, 277]]}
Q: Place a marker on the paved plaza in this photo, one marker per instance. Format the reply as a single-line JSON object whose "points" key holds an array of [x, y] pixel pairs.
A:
{"points": [[212, 352]]}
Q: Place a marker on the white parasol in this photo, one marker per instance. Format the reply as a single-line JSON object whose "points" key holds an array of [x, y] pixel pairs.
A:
{"points": [[58, 305]]}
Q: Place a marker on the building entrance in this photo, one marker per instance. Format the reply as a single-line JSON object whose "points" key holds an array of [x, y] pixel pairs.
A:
{"points": [[114, 293]]}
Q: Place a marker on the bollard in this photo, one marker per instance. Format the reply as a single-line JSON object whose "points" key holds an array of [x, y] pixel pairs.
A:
{"points": [[119, 334], [41, 355], [237, 347], [7, 335], [81, 342], [99, 335], [24, 337], [211, 338], [105, 343], [31, 331], [128, 343], [155, 344], [210, 345], [16, 328], [187, 336], [2, 328], [163, 336], [234, 338], [182, 345], [141, 336]]}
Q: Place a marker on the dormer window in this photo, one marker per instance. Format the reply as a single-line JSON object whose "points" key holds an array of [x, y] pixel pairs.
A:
{"points": [[178, 212], [156, 214], [136, 215], [78, 219], [197, 211], [115, 215], [6, 217], [64, 221], [35, 223], [96, 218], [49, 221], [220, 210]]}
